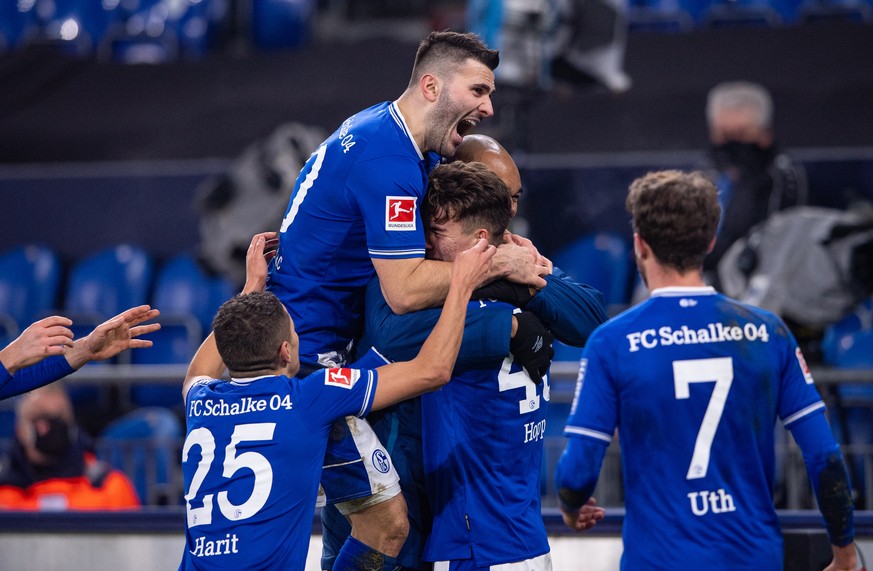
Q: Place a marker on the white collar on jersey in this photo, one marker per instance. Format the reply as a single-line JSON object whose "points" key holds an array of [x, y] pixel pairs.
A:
{"points": [[683, 290], [247, 380], [394, 109]]}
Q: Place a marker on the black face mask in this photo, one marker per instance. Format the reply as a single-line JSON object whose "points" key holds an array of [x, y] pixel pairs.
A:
{"points": [[747, 158], [57, 440]]}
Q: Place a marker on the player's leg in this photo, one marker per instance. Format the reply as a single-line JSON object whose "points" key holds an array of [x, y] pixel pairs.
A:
{"points": [[378, 533], [361, 481]]}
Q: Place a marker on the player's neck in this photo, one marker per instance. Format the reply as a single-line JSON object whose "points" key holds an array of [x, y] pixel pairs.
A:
{"points": [[658, 276], [414, 114]]}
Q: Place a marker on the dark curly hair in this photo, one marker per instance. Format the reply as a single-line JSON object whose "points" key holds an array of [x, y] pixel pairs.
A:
{"points": [[677, 214], [470, 194], [249, 329]]}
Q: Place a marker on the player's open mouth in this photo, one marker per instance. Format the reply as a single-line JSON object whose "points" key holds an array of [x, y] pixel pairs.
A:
{"points": [[465, 126]]}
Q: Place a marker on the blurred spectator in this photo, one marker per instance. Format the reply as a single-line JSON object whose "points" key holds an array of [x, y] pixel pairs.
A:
{"points": [[51, 465], [754, 179]]}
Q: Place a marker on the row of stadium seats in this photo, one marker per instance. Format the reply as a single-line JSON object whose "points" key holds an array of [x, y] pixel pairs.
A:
{"points": [[32, 285], [146, 31], [684, 15]]}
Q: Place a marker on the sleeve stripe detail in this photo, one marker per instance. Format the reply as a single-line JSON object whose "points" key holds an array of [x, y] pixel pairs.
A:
{"points": [[800, 414], [414, 252], [368, 400], [587, 432]]}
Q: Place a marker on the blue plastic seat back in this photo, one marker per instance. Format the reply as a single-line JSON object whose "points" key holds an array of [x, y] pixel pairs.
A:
{"points": [[183, 288], [110, 281], [29, 283], [145, 444], [602, 261], [848, 344]]}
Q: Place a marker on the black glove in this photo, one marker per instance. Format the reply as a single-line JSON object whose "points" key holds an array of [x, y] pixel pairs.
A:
{"points": [[532, 345], [504, 290]]}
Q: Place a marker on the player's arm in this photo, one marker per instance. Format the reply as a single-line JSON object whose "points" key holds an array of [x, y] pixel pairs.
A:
{"points": [[411, 284], [46, 352], [433, 365], [830, 483], [575, 479], [487, 330], [207, 362], [570, 310]]}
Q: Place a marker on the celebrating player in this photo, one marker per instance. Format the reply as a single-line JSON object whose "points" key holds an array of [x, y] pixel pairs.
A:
{"points": [[354, 213], [255, 444], [694, 381]]}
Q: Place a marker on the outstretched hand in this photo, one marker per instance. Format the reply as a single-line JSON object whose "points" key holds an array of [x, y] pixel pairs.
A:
{"points": [[585, 517], [114, 336], [46, 337], [261, 250]]}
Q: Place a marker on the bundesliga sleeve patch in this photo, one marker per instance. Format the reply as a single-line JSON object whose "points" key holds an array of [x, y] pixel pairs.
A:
{"points": [[345, 378], [803, 366], [400, 212]]}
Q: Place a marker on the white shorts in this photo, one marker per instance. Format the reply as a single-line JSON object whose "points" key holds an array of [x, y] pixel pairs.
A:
{"points": [[541, 563], [357, 473]]}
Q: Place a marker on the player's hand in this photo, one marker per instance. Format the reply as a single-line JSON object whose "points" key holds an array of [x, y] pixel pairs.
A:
{"points": [[46, 337], [261, 250], [845, 558], [540, 260], [471, 266], [518, 264], [585, 517], [531, 346], [114, 336]]}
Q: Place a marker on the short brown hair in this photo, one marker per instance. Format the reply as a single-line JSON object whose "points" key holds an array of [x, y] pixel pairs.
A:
{"points": [[677, 214], [441, 51], [249, 329], [470, 194]]}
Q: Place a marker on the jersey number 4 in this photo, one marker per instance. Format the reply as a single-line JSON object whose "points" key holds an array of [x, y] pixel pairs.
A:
{"points": [[253, 461], [720, 370]]}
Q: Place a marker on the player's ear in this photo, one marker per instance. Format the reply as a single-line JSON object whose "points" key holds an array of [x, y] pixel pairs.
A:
{"points": [[483, 233], [430, 86], [285, 352], [711, 246]]}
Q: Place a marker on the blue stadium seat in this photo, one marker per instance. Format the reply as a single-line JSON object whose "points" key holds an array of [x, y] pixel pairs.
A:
{"points": [[602, 261], [848, 344], [281, 24], [17, 23], [660, 16], [29, 283], [188, 299], [78, 27], [158, 31], [860, 11], [145, 444], [99, 287], [751, 13]]}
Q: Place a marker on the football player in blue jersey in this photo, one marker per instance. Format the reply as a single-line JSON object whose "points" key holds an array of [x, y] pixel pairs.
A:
{"points": [[354, 213], [694, 381], [46, 351], [485, 499], [255, 444]]}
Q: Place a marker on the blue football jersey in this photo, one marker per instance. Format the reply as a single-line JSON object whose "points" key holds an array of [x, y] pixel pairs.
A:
{"points": [[356, 198], [252, 462], [483, 449], [694, 381]]}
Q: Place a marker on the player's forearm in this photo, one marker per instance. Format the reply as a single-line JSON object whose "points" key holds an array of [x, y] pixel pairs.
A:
{"points": [[440, 350], [206, 363], [577, 472], [422, 286], [37, 375], [828, 475]]}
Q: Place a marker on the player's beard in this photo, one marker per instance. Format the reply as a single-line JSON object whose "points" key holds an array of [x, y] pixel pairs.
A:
{"points": [[445, 117]]}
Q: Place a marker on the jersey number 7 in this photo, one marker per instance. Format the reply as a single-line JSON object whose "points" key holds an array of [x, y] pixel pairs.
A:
{"points": [[720, 370]]}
